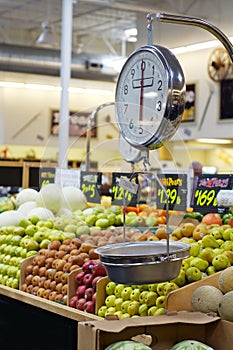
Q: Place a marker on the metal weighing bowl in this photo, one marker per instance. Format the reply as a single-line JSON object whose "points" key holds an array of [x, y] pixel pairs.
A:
{"points": [[143, 262]]}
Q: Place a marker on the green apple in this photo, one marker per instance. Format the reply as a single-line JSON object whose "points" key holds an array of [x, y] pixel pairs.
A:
{"points": [[110, 300], [193, 274], [2, 239], [152, 310], [19, 231], [142, 296], [9, 281], [16, 239], [118, 289], [135, 294], [7, 259], [102, 223], [151, 221], [125, 315], [8, 238], [82, 230], [39, 236], [102, 311], [150, 298], [124, 306], [160, 311], [110, 288], [30, 230], [45, 243], [90, 219], [152, 287], [143, 310], [118, 303], [119, 314], [4, 280], [31, 253], [23, 253], [133, 307], [35, 220], [24, 223], [67, 235], [110, 311], [15, 283], [31, 244], [161, 301], [126, 292], [221, 262], [160, 288], [169, 287]]}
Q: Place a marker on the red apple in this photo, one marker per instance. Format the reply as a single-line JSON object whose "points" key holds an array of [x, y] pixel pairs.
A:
{"points": [[89, 306], [94, 297], [95, 280], [80, 291], [87, 279], [79, 278], [99, 270], [88, 294], [73, 301], [88, 265], [80, 304]]}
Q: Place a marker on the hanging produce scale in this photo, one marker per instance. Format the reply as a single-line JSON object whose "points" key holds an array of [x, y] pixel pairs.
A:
{"points": [[149, 104]]}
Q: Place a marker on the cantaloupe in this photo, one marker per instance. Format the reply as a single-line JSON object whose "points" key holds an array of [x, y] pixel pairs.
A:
{"points": [[225, 308], [206, 299], [225, 280]]}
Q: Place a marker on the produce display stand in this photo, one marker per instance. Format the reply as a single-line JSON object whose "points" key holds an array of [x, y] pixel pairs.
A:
{"points": [[29, 322]]}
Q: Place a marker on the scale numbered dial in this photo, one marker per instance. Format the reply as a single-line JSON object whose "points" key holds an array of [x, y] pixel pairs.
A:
{"points": [[219, 64], [128, 152], [150, 97]]}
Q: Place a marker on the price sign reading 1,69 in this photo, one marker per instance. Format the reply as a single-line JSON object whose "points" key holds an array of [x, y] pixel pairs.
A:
{"points": [[175, 185], [205, 195]]}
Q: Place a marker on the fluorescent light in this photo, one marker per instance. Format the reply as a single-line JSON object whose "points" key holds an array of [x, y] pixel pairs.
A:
{"points": [[13, 84], [218, 141], [131, 32], [196, 47]]}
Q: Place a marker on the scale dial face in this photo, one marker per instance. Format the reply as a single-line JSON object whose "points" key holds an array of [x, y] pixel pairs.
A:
{"points": [[149, 97], [219, 64], [128, 152]]}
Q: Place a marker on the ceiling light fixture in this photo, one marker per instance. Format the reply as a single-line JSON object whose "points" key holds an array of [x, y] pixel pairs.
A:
{"points": [[216, 141], [47, 37], [197, 47]]}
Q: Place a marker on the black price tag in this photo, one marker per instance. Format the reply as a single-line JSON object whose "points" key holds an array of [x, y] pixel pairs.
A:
{"points": [[47, 176], [91, 185], [176, 191], [119, 192], [208, 186]]}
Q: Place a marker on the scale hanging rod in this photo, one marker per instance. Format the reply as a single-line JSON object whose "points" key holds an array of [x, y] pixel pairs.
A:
{"points": [[193, 21]]}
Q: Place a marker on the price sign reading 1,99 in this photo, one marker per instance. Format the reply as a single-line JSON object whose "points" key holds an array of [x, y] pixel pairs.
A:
{"points": [[208, 186], [176, 191], [90, 185]]}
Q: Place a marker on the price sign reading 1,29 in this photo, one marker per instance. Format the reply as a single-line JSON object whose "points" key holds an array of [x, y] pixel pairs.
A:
{"points": [[90, 185], [208, 186], [119, 193], [176, 191]]}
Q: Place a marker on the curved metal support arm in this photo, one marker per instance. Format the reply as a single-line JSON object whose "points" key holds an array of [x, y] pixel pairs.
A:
{"points": [[198, 22], [88, 137]]}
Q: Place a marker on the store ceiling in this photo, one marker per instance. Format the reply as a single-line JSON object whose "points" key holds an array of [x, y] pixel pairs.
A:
{"points": [[99, 25]]}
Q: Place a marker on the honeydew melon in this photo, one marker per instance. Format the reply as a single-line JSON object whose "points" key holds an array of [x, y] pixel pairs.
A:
{"points": [[26, 195]]}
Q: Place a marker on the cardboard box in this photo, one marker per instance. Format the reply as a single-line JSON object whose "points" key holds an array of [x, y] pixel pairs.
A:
{"points": [[164, 330], [180, 299]]}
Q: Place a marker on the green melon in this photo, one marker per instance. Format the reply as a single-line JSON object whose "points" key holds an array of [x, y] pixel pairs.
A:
{"points": [[127, 345], [191, 345]]}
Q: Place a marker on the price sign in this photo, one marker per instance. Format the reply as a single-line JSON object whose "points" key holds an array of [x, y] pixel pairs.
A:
{"points": [[119, 192], [67, 177], [176, 186], [91, 185], [208, 186], [47, 176]]}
